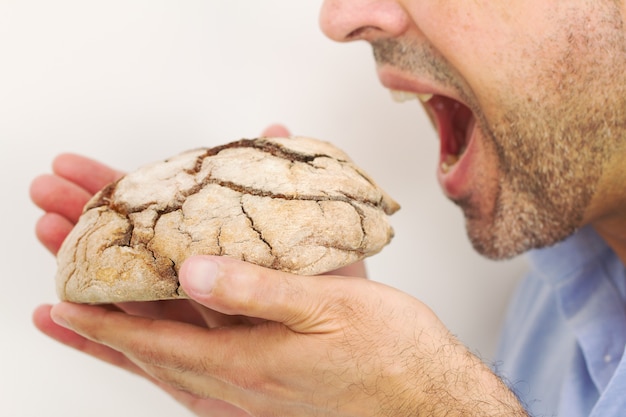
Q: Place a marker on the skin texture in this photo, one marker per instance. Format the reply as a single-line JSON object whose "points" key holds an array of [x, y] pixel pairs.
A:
{"points": [[246, 326], [545, 83], [549, 104]]}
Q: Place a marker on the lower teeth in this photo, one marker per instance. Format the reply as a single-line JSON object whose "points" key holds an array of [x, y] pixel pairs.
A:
{"points": [[450, 160], [447, 163]]}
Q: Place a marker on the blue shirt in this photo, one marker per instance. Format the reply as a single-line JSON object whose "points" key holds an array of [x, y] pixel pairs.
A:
{"points": [[562, 348]]}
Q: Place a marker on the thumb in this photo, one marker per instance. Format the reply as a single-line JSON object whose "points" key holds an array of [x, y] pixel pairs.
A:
{"points": [[240, 288]]}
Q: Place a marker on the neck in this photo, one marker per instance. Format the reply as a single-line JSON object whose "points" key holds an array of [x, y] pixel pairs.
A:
{"points": [[611, 225], [614, 234]]}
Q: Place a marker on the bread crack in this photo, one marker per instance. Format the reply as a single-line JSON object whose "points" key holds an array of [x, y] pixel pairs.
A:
{"points": [[269, 147], [254, 227], [293, 204]]}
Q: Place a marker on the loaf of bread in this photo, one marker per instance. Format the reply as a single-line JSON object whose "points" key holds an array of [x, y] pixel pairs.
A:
{"points": [[294, 204]]}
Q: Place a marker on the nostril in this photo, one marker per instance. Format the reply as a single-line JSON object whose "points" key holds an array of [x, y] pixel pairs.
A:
{"points": [[362, 32]]}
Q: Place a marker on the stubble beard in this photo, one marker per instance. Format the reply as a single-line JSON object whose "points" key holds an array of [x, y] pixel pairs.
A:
{"points": [[551, 144], [554, 143], [548, 175]]}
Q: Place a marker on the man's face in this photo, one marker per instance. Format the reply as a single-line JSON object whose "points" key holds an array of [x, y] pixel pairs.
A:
{"points": [[529, 98]]}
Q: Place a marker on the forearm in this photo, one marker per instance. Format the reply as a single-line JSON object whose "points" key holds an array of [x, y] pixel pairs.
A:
{"points": [[457, 383]]}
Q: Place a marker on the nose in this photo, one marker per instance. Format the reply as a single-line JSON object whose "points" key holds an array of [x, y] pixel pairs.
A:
{"points": [[347, 20]]}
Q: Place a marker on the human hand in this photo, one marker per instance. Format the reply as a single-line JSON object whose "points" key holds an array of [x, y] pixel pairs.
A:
{"points": [[62, 196], [332, 346]]}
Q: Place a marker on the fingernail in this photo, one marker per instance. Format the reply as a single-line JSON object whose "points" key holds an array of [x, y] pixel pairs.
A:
{"points": [[199, 275], [58, 319]]}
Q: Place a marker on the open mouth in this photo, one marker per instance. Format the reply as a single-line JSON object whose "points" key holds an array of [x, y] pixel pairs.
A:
{"points": [[453, 120]]}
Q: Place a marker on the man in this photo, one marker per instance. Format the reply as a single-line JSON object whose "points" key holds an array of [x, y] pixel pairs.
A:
{"points": [[529, 98]]}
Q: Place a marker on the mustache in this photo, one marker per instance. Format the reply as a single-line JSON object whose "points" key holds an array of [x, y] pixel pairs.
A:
{"points": [[402, 54], [418, 58]]}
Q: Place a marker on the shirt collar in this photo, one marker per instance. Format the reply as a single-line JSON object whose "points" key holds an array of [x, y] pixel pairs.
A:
{"points": [[584, 272], [558, 262]]}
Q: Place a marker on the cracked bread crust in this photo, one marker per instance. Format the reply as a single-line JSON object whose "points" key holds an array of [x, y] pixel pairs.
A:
{"points": [[295, 204]]}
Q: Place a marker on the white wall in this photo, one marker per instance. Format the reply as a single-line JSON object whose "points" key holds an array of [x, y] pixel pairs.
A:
{"points": [[133, 81]]}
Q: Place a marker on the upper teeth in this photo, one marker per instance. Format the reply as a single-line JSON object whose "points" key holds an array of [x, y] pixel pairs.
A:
{"points": [[402, 96]]}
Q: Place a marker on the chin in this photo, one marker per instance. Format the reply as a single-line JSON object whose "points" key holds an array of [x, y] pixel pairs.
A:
{"points": [[497, 249], [501, 240]]}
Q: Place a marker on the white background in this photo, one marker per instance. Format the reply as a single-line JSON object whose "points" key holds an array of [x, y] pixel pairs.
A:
{"points": [[134, 81]]}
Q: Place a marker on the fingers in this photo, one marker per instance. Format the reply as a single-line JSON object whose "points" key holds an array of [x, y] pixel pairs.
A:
{"points": [[176, 353], [214, 319], [356, 269], [43, 321], [84, 172], [55, 194], [232, 364], [185, 311], [63, 203], [102, 333], [63, 195], [51, 230], [75, 180], [276, 130], [116, 329], [179, 310], [257, 368], [235, 287]]}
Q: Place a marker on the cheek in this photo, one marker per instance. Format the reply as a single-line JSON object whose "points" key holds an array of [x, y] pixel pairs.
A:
{"points": [[486, 42], [473, 39], [486, 172]]}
